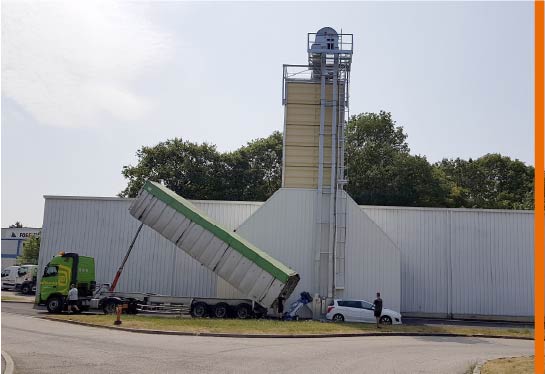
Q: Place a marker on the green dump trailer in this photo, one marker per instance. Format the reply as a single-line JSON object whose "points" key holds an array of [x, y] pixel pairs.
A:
{"points": [[250, 270]]}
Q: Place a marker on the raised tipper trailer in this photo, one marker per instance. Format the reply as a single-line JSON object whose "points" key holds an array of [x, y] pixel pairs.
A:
{"points": [[247, 268]]}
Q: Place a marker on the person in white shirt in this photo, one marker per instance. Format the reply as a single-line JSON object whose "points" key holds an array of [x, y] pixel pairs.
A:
{"points": [[73, 298]]}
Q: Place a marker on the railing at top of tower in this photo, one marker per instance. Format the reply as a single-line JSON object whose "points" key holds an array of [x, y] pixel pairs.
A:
{"points": [[307, 73]]}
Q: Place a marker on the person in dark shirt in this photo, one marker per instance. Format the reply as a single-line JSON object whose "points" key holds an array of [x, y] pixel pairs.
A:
{"points": [[378, 308], [280, 306]]}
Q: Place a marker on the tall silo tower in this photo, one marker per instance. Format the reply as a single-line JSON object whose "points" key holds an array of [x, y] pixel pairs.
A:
{"points": [[315, 99]]}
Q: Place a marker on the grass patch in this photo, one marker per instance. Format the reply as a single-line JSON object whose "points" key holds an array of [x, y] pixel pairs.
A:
{"points": [[519, 365], [10, 298], [17, 298], [280, 327]]}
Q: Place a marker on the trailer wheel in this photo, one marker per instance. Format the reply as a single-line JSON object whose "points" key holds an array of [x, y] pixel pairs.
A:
{"points": [[198, 310], [243, 311], [220, 310], [109, 307], [55, 304]]}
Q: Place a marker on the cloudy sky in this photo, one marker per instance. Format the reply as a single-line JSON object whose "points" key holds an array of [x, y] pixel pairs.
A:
{"points": [[85, 84]]}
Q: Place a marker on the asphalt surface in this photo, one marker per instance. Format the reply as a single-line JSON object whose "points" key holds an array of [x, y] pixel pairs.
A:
{"points": [[41, 346]]}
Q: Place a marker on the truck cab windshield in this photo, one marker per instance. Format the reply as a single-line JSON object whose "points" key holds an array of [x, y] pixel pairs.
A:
{"points": [[50, 271]]}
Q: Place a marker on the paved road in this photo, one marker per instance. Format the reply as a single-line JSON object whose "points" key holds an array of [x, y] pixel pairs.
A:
{"points": [[40, 346]]}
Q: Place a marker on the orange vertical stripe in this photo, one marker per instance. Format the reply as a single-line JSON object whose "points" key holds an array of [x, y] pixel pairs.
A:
{"points": [[539, 280]]}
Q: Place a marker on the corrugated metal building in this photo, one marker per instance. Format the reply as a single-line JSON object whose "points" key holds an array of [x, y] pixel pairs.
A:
{"points": [[457, 262]]}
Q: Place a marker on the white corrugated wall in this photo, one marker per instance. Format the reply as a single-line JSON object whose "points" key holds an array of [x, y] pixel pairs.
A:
{"points": [[373, 261], [462, 262], [103, 228]]}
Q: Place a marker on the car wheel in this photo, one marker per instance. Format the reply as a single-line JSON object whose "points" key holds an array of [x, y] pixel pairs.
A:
{"points": [[243, 311], [220, 310], [55, 304], [25, 290], [385, 320], [338, 318], [198, 310]]}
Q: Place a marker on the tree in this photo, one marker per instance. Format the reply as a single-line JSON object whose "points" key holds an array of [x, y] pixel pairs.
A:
{"points": [[17, 225], [187, 168], [380, 169], [31, 250], [492, 181], [256, 168], [199, 171]]}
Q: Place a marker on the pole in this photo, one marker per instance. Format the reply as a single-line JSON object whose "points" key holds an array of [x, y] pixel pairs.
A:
{"points": [[120, 270]]}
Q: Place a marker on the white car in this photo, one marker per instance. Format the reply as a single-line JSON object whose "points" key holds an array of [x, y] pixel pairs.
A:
{"points": [[359, 311]]}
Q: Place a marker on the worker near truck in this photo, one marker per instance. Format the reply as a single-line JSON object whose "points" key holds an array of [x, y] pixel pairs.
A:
{"points": [[73, 298], [280, 306]]}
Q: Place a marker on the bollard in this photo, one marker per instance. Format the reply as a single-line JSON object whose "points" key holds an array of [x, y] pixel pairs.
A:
{"points": [[118, 311]]}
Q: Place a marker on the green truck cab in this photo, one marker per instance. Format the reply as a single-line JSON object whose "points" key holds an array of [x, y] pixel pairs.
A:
{"points": [[62, 271]]}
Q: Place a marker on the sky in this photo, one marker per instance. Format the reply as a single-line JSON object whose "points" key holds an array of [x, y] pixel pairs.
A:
{"points": [[86, 84]]}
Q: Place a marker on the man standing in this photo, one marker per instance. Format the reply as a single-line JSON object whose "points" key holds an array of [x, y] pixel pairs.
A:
{"points": [[378, 308], [280, 306], [73, 298]]}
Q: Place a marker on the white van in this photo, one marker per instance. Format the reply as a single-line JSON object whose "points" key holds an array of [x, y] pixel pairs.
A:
{"points": [[25, 273], [9, 277]]}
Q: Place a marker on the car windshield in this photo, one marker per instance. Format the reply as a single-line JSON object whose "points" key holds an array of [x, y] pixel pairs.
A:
{"points": [[367, 305]]}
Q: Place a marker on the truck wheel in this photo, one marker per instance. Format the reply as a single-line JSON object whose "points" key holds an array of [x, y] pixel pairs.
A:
{"points": [[110, 307], [198, 310], [220, 310], [25, 289], [243, 311], [132, 308], [55, 304]]}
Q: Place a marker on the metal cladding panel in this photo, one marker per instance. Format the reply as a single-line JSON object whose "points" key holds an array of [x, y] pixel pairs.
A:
{"points": [[372, 260], [465, 262], [103, 228], [307, 136], [306, 156], [492, 263], [302, 134], [422, 237], [230, 262], [304, 177], [309, 92]]}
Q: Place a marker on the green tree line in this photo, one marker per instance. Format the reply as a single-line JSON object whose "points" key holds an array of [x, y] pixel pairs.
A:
{"points": [[380, 169]]}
